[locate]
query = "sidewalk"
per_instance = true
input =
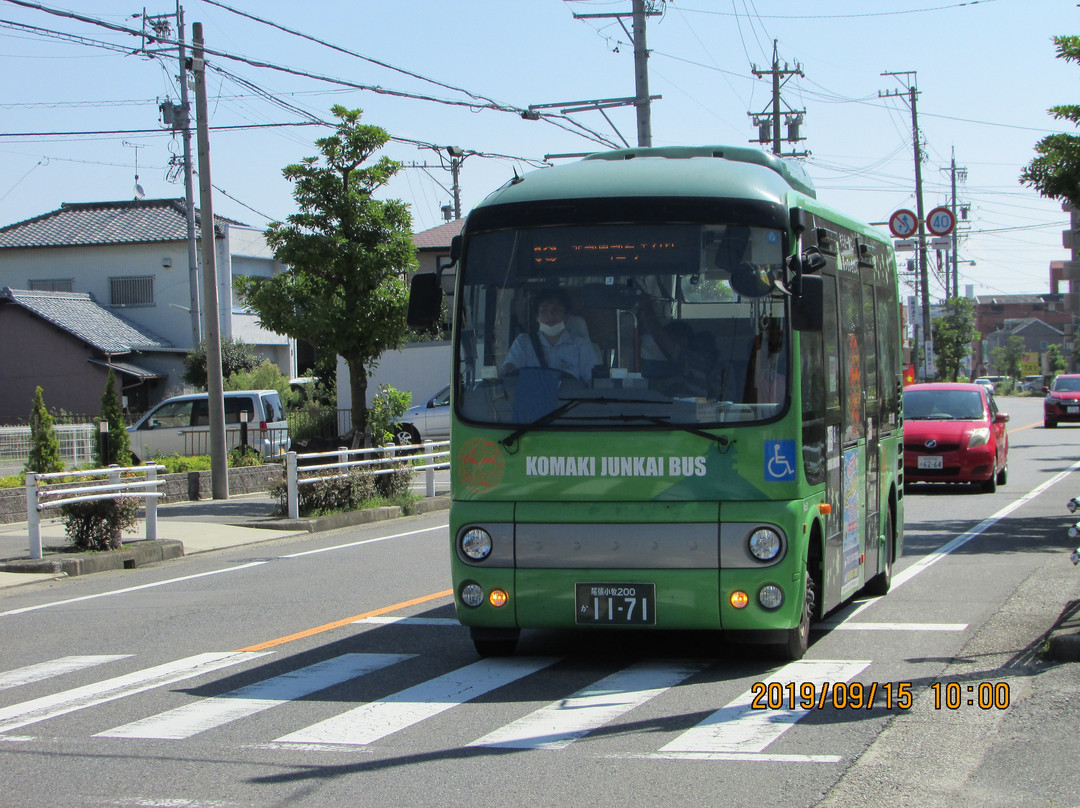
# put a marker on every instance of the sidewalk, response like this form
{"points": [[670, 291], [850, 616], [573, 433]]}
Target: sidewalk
{"points": [[184, 528]]}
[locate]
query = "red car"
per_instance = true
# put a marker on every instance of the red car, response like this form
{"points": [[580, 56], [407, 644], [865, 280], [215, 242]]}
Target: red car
{"points": [[1062, 403], [954, 433]]}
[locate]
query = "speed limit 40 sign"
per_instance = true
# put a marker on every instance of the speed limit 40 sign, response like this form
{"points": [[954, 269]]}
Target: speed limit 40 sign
{"points": [[940, 221]]}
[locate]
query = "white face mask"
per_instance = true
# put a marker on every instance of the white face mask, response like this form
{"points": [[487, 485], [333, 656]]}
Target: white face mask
{"points": [[552, 330]]}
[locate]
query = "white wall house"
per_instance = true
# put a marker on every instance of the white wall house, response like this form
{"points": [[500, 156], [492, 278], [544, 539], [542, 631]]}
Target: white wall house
{"points": [[132, 258]]}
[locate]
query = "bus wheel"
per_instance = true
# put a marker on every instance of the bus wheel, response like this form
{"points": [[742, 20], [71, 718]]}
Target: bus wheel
{"points": [[879, 585], [491, 642], [797, 639]]}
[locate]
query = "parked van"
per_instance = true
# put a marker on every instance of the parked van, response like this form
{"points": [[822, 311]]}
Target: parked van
{"points": [[181, 425]]}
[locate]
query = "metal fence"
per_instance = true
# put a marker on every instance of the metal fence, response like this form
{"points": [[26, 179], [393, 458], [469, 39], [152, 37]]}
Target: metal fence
{"points": [[76, 444], [48, 491]]}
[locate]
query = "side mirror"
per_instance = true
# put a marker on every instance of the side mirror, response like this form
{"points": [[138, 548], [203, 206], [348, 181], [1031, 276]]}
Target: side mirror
{"points": [[425, 301], [750, 280]]}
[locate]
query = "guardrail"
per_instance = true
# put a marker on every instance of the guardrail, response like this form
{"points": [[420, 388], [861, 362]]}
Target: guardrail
{"points": [[382, 460], [40, 497]]}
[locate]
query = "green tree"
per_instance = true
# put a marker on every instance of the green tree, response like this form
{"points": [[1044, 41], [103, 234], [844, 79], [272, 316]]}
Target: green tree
{"points": [[1006, 359], [44, 443], [347, 255], [1055, 173], [119, 447], [1055, 362], [953, 334], [236, 357]]}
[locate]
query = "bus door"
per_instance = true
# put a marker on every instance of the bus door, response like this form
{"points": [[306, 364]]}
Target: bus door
{"points": [[872, 331], [832, 361], [853, 426]]}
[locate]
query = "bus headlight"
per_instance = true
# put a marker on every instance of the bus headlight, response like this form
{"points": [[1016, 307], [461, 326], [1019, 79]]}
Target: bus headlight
{"points": [[472, 595], [764, 544], [476, 543], [770, 596]]}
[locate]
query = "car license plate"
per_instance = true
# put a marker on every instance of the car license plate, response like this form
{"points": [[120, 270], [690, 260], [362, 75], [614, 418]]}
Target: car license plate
{"points": [[931, 462], [1072, 410], [616, 604]]}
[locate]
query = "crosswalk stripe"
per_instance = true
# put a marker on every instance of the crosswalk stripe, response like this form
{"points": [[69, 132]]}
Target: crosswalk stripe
{"points": [[30, 712], [56, 667], [374, 720], [191, 719], [561, 723], [737, 727]]}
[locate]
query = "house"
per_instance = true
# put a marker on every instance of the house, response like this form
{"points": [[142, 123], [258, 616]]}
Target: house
{"points": [[1036, 334], [996, 316], [131, 258], [65, 343]]}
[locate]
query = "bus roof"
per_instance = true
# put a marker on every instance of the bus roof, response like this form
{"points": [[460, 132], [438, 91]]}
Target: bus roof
{"points": [[679, 171]]}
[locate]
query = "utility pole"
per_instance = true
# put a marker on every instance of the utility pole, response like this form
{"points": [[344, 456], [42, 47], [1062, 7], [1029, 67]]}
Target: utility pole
{"points": [[768, 123], [219, 470], [920, 214], [956, 175], [642, 9], [189, 187]]}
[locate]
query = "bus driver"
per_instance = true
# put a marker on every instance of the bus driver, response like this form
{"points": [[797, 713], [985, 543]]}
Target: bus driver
{"points": [[552, 345]]}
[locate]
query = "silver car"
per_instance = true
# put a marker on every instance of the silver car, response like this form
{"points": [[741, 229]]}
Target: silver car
{"points": [[181, 425], [427, 421]]}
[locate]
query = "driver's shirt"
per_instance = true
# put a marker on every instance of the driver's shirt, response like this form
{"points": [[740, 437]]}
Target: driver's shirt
{"points": [[570, 354]]}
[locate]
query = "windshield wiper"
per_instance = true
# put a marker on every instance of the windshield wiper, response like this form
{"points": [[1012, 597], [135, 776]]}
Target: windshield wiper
{"points": [[664, 420], [561, 410]]}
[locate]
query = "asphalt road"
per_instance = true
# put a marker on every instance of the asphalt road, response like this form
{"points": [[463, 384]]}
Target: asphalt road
{"points": [[328, 670]]}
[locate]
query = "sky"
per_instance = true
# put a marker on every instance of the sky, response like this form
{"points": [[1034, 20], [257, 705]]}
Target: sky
{"points": [[79, 112]]}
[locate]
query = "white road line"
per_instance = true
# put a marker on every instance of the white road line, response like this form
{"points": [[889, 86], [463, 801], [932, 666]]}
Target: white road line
{"points": [[751, 757], [236, 568], [928, 560], [559, 724], [127, 589], [374, 720], [365, 541], [68, 701], [737, 727], [191, 719], [829, 625], [56, 667]]}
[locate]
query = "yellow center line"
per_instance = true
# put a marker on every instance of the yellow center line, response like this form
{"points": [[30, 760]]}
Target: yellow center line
{"points": [[339, 623]]}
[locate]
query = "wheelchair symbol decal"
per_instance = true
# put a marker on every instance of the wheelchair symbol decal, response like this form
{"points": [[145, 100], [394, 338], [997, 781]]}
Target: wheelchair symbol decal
{"points": [[779, 461]]}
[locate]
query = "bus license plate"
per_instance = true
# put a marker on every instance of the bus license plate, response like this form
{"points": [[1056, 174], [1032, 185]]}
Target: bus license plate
{"points": [[931, 462], [616, 604]]}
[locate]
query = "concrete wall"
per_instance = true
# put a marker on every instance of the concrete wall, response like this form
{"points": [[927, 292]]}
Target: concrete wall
{"points": [[188, 486], [422, 369]]}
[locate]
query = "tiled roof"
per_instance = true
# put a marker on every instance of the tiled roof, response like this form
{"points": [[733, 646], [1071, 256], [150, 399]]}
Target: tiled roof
{"points": [[438, 237], [135, 221], [80, 315]]}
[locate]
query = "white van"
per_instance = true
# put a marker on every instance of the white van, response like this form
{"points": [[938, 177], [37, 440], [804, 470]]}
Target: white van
{"points": [[181, 425]]}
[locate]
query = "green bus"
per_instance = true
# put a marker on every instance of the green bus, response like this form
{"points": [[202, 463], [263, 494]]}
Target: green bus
{"points": [[676, 400]]}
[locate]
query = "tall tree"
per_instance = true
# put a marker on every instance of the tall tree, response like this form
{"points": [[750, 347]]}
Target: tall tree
{"points": [[118, 447], [44, 442], [347, 255], [953, 334], [1055, 173]]}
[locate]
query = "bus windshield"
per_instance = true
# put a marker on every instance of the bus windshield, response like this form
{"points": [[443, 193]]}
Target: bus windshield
{"points": [[622, 325]]}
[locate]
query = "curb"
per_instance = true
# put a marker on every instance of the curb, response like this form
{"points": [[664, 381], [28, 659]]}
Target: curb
{"points": [[334, 521], [134, 555], [1063, 644]]}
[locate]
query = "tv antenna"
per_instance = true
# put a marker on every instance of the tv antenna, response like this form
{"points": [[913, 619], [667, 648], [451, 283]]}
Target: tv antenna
{"points": [[139, 192]]}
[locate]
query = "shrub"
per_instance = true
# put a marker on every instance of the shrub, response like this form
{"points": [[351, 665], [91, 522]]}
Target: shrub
{"points": [[356, 490], [387, 406], [98, 524]]}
